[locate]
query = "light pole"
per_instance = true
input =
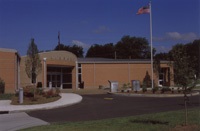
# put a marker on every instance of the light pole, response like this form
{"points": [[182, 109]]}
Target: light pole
{"points": [[45, 83]]}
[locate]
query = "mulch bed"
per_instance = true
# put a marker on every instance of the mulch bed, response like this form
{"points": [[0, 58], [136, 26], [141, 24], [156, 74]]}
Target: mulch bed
{"points": [[150, 92], [39, 99]]}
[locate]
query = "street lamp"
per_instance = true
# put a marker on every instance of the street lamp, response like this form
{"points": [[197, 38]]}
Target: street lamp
{"points": [[44, 60]]}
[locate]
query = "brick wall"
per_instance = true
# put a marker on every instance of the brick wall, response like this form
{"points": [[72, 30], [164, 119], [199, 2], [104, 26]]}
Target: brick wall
{"points": [[95, 74], [8, 70]]}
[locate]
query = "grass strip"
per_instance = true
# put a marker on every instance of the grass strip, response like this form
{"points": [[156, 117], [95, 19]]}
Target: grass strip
{"points": [[164, 121]]}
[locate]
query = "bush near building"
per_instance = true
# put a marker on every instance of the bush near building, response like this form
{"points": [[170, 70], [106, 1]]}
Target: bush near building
{"points": [[2, 86]]}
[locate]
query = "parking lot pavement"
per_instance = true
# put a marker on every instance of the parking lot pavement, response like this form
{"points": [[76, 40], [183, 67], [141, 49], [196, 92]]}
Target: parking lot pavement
{"points": [[95, 107], [16, 121]]}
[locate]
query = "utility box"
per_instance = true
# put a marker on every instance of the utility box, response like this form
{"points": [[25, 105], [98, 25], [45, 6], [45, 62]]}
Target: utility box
{"points": [[136, 85], [113, 86], [21, 95]]}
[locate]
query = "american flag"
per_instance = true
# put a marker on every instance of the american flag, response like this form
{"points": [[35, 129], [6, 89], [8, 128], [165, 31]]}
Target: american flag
{"points": [[143, 10]]}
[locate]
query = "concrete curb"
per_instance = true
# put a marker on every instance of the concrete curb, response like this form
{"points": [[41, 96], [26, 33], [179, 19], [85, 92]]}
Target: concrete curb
{"points": [[66, 99], [154, 95]]}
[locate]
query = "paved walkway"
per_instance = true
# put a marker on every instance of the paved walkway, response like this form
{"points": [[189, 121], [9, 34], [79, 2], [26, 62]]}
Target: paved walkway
{"points": [[17, 119], [65, 100]]}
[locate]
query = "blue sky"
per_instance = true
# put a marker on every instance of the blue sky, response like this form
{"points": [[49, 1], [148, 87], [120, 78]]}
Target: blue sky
{"points": [[87, 22]]}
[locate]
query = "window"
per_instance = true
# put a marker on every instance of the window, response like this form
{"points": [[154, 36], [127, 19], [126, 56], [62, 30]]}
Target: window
{"points": [[79, 73]]}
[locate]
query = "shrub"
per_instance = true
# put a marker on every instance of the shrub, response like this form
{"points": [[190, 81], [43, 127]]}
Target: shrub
{"points": [[144, 89], [57, 91], [29, 91], [39, 91], [52, 93], [179, 90], [126, 86], [164, 89], [100, 86], [6, 96], [147, 80], [2, 86], [172, 90], [155, 89]]}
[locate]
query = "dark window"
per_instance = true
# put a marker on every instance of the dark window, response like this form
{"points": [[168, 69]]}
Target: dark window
{"points": [[67, 70], [67, 78], [79, 78], [79, 70]]}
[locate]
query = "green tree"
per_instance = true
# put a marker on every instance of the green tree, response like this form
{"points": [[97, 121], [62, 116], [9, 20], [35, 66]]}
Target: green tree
{"points": [[75, 49], [183, 71], [103, 51], [33, 64], [193, 50], [156, 61], [133, 47]]}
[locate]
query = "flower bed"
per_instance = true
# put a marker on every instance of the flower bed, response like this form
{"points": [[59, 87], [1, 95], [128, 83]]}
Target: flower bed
{"points": [[33, 95]]}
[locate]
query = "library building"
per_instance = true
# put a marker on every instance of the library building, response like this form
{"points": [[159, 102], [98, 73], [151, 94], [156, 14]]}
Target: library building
{"points": [[62, 69]]}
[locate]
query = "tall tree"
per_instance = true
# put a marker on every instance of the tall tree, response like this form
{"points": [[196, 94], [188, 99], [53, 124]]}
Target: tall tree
{"points": [[156, 61], [183, 71], [133, 47], [193, 50], [33, 64], [104, 51], [77, 50]]}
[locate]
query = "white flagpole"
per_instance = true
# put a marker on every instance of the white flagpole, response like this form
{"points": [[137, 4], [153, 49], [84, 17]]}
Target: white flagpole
{"points": [[152, 85]]}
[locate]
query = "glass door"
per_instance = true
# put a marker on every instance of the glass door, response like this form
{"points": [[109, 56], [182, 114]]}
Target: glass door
{"points": [[54, 80]]}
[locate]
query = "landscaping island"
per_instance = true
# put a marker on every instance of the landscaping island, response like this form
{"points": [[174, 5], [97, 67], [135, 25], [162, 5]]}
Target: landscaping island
{"points": [[155, 92], [33, 95]]}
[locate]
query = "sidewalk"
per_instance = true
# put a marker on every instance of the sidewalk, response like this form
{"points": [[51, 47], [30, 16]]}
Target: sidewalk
{"points": [[65, 100], [17, 119]]}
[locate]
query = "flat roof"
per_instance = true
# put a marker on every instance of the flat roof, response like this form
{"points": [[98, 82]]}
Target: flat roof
{"points": [[107, 60], [9, 50]]}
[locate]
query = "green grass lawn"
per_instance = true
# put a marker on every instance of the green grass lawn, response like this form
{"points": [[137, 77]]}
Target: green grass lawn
{"points": [[198, 82], [6, 96], [150, 122]]}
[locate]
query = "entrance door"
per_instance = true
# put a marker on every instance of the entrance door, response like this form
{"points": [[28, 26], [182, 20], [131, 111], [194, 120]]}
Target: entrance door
{"points": [[59, 77], [54, 79]]}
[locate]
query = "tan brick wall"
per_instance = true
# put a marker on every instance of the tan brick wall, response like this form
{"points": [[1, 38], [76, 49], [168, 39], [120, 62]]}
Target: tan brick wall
{"points": [[8, 70], [97, 74]]}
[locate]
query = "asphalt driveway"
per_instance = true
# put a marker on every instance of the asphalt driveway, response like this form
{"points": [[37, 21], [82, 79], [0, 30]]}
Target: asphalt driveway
{"points": [[94, 107]]}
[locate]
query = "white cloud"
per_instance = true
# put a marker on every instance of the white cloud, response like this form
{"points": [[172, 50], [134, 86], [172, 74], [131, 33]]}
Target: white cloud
{"points": [[79, 43], [101, 29], [173, 35], [162, 49], [176, 36]]}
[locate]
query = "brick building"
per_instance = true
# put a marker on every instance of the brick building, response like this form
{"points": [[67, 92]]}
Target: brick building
{"points": [[64, 70], [9, 69]]}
